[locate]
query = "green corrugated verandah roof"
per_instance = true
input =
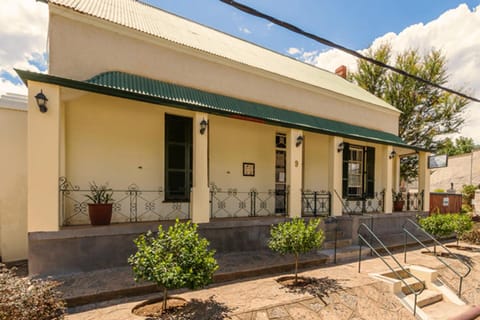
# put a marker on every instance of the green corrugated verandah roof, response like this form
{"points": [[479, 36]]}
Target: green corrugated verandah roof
{"points": [[130, 86]]}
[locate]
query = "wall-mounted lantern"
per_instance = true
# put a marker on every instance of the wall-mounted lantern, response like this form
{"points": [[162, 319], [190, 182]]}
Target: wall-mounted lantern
{"points": [[392, 154], [41, 101], [340, 147], [299, 141], [203, 126]]}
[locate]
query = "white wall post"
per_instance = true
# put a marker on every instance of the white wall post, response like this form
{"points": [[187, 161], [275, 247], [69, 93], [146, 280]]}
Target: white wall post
{"points": [[200, 198], [295, 173], [424, 179], [335, 175]]}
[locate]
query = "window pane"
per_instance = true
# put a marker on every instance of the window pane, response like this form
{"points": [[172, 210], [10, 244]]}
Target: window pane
{"points": [[176, 183], [176, 156]]}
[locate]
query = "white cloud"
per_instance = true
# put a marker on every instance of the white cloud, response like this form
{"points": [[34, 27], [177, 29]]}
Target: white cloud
{"points": [[456, 33], [245, 30], [23, 38], [294, 51]]}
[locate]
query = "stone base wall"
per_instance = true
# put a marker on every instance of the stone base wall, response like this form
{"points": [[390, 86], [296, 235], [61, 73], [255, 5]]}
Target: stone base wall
{"points": [[86, 248]]}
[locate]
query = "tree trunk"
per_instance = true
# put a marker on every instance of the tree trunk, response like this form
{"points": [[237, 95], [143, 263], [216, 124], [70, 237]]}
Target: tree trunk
{"points": [[164, 305]]}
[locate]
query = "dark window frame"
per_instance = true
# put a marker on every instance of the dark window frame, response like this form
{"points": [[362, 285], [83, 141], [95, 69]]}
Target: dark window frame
{"points": [[186, 145], [367, 172]]}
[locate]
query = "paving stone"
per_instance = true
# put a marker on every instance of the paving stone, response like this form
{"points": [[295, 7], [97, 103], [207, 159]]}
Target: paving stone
{"points": [[314, 304], [277, 313], [336, 311], [245, 316], [261, 315], [299, 312]]}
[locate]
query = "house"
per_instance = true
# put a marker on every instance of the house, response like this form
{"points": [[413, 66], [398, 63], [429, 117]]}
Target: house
{"points": [[186, 122], [13, 170]]}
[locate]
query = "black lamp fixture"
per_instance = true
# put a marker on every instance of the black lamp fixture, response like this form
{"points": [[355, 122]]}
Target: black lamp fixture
{"points": [[340, 147], [203, 126], [392, 154], [299, 141], [41, 101]]}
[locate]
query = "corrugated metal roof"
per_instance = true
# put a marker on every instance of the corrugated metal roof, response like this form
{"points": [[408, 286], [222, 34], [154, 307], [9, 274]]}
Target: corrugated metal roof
{"points": [[139, 88], [215, 103], [153, 21]]}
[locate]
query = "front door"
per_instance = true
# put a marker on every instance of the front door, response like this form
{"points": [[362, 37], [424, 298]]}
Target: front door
{"points": [[280, 173]]}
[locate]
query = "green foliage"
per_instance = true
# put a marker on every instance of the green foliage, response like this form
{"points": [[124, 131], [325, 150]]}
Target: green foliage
{"points": [[462, 223], [174, 259], [461, 145], [441, 225], [439, 190], [397, 196], [296, 237], [29, 299], [427, 112], [468, 193], [100, 193], [466, 208]]}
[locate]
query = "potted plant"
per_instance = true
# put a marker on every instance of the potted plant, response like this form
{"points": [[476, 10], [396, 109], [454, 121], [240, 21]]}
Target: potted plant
{"points": [[398, 201], [100, 208]]}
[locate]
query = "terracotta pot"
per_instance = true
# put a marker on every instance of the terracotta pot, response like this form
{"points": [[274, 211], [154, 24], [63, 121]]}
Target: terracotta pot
{"points": [[398, 205], [100, 213]]}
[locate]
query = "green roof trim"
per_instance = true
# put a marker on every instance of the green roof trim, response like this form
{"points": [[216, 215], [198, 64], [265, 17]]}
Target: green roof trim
{"points": [[140, 88]]}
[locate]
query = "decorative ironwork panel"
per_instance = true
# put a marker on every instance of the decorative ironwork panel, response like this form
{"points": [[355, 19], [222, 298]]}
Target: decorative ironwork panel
{"points": [[365, 205], [129, 205], [316, 203], [264, 203], [230, 203]]}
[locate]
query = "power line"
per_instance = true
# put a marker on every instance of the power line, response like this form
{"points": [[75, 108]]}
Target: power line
{"points": [[329, 43]]}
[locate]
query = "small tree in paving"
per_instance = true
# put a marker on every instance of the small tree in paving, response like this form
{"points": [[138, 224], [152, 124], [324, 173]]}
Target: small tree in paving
{"points": [[174, 259], [296, 237]]}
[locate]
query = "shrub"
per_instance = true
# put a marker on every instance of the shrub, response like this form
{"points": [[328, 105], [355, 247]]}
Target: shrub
{"points": [[466, 208], [468, 193], [296, 237], [439, 225], [29, 299], [174, 259], [439, 190], [472, 237]]}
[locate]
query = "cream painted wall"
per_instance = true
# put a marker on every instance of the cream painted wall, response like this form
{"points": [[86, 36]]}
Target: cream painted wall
{"points": [[13, 188], [316, 168], [73, 43], [115, 140], [233, 142]]}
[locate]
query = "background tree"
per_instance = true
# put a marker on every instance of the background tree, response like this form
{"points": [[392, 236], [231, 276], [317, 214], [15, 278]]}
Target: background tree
{"points": [[174, 259], [428, 113], [461, 145], [296, 237]]}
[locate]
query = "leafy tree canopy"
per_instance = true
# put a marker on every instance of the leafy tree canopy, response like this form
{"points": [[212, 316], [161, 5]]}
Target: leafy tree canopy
{"points": [[461, 145], [428, 113]]}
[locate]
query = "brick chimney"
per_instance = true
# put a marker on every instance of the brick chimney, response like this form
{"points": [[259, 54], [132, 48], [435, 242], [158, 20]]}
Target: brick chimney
{"points": [[341, 71]]}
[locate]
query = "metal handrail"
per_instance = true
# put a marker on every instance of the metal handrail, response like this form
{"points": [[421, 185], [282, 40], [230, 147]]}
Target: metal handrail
{"points": [[372, 248], [345, 207], [435, 242]]}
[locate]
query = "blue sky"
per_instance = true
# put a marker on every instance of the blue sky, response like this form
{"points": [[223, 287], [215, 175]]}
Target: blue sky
{"points": [[354, 24]]}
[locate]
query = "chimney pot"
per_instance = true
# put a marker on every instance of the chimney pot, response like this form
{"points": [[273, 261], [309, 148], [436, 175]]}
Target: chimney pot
{"points": [[341, 71]]}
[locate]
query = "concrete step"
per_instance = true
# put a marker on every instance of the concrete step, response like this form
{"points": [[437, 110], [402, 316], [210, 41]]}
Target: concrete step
{"points": [[413, 283], [448, 310], [427, 297], [341, 243], [398, 274]]}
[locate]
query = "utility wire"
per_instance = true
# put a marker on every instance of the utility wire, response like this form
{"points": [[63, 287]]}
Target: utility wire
{"points": [[329, 43]]}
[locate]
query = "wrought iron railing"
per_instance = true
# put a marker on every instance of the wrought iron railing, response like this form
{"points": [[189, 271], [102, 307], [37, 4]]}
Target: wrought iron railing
{"points": [[231, 203], [375, 204], [367, 238], [413, 201], [129, 205], [416, 228], [316, 203]]}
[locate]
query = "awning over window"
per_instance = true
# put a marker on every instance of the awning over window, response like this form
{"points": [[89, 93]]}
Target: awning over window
{"points": [[139, 88]]}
